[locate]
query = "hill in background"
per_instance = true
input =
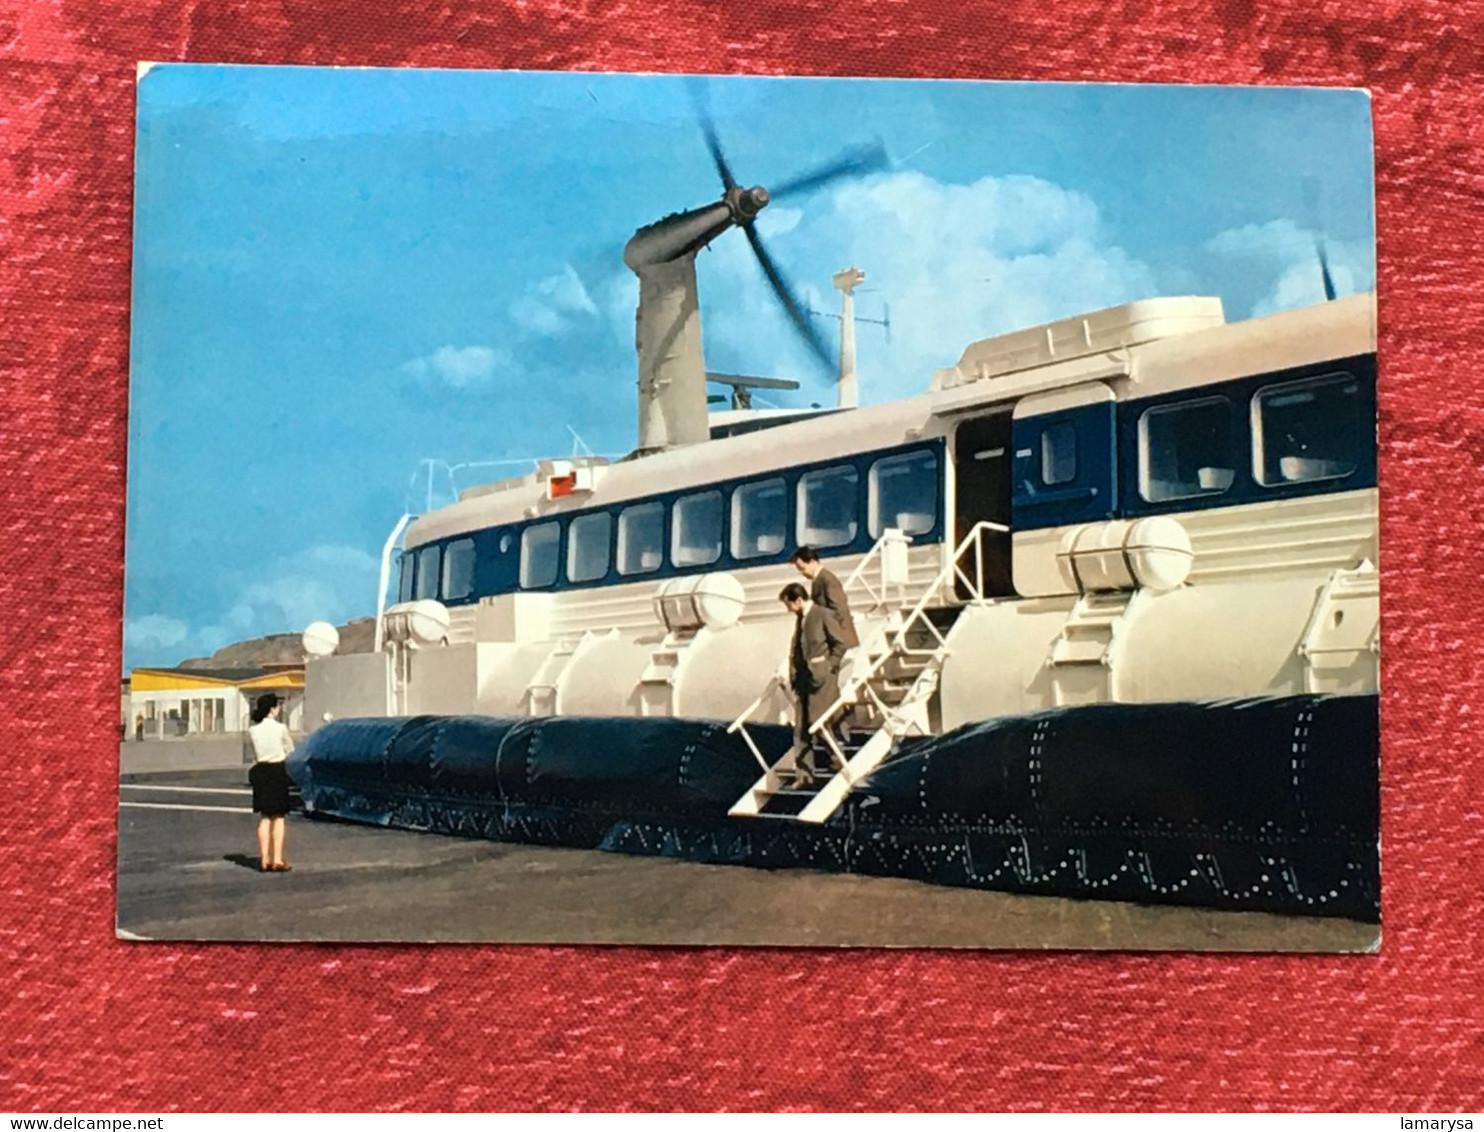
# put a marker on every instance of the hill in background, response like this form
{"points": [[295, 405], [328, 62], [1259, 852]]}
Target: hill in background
{"points": [[356, 635]]}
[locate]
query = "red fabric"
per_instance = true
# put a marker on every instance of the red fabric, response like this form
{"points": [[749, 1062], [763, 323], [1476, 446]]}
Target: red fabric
{"points": [[87, 1022]]}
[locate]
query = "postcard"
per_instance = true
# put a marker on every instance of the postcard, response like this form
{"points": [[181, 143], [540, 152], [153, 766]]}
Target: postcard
{"points": [[602, 508]]}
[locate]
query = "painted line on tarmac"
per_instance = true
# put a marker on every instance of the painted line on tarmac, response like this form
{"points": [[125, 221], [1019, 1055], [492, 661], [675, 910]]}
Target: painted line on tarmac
{"points": [[183, 789], [177, 806]]}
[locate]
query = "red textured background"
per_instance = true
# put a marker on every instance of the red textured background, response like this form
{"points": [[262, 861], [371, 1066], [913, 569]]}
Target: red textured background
{"points": [[87, 1022]]}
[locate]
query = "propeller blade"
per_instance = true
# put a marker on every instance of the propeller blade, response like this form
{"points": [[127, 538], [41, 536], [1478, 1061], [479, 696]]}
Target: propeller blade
{"points": [[708, 130], [1329, 280], [796, 313], [856, 161], [1310, 189]]}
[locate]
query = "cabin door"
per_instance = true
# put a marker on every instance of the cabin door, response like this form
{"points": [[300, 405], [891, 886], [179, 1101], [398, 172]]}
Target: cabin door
{"points": [[981, 470]]}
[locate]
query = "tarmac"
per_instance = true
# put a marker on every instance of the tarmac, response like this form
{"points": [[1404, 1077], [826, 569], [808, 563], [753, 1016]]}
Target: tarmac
{"points": [[188, 871]]}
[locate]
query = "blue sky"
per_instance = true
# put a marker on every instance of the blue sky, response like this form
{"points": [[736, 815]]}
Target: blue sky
{"points": [[341, 272]]}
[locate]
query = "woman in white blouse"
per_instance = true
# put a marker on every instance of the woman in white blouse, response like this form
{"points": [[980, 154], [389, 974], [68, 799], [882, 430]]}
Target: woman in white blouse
{"points": [[269, 778]]}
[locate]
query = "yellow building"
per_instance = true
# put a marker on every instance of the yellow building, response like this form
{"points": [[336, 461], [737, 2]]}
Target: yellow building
{"points": [[176, 702]]}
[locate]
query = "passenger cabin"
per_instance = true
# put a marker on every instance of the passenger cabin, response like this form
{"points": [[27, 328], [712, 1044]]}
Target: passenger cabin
{"points": [[1152, 408]]}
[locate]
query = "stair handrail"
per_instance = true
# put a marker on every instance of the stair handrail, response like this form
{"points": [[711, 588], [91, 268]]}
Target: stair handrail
{"points": [[740, 723], [947, 574], [974, 585], [849, 690], [858, 575]]}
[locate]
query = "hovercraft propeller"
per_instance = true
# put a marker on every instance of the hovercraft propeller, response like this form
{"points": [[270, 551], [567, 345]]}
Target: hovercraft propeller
{"points": [[672, 373]]}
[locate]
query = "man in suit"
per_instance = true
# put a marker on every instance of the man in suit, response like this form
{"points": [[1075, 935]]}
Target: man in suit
{"points": [[825, 589], [814, 658]]}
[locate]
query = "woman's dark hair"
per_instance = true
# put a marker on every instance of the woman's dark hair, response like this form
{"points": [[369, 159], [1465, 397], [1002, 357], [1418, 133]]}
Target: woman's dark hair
{"points": [[266, 703], [793, 592]]}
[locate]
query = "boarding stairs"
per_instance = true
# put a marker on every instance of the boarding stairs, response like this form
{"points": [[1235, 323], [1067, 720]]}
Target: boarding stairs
{"points": [[888, 692]]}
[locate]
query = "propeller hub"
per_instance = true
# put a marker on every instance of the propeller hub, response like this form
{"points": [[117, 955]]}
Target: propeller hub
{"points": [[745, 204]]}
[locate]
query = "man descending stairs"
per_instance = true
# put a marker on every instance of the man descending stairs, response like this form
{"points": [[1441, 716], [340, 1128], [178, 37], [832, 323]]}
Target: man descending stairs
{"points": [[814, 658], [887, 696]]}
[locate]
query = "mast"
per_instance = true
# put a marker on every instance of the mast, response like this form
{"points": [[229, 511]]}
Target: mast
{"points": [[846, 281]]}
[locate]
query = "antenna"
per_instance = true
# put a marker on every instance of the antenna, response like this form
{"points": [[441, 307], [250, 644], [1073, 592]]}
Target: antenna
{"points": [[431, 464], [884, 321], [579, 446], [742, 387]]}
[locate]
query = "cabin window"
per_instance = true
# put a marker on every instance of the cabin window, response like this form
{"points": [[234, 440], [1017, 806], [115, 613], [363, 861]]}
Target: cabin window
{"points": [[696, 537], [1310, 430], [404, 581], [538, 555], [1186, 451], [588, 540], [426, 584], [759, 519], [1059, 454], [641, 538], [827, 506], [904, 493], [458, 570]]}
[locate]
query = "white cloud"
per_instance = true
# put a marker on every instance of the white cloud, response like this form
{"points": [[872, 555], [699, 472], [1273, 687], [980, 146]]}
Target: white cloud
{"points": [[328, 582], [1281, 259], [618, 297], [154, 631], [552, 305], [457, 367], [338, 556], [778, 221], [955, 263]]}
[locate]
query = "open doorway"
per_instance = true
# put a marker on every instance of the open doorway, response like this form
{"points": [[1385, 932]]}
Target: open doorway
{"points": [[981, 469]]}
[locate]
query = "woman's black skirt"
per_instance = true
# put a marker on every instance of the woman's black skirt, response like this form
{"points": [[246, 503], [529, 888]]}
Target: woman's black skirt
{"points": [[270, 789]]}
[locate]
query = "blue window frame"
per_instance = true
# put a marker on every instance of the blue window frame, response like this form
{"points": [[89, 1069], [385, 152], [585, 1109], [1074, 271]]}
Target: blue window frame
{"points": [[760, 518], [496, 561], [588, 541], [425, 585], [1064, 466], [540, 555], [696, 529], [904, 493], [1058, 454], [641, 538], [458, 570], [714, 526], [405, 566], [829, 506], [1187, 449], [1307, 431]]}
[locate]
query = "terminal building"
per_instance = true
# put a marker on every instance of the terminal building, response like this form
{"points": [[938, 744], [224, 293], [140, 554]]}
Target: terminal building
{"points": [[166, 703]]}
